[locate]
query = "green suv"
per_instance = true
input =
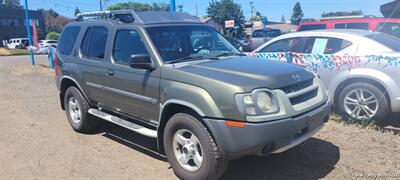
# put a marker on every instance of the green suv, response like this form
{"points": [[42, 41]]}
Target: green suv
{"points": [[170, 77]]}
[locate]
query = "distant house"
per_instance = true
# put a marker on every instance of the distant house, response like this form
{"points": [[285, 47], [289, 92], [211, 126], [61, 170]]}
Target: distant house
{"points": [[284, 27], [12, 23], [391, 10], [215, 24]]}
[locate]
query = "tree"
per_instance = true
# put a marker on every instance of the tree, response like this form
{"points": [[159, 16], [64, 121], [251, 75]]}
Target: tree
{"points": [[52, 36], [77, 11], [53, 22], [140, 6], [342, 13], [257, 17], [297, 15], [283, 19], [225, 10], [10, 4]]}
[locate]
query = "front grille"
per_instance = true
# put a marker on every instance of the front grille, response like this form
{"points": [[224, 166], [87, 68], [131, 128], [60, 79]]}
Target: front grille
{"points": [[304, 97], [297, 87]]}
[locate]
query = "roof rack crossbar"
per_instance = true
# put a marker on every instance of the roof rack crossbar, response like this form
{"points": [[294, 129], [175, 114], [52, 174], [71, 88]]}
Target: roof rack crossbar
{"points": [[109, 15]]}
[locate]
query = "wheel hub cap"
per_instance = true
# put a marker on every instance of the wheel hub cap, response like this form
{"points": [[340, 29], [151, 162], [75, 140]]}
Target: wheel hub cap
{"points": [[74, 110], [187, 150], [361, 104]]}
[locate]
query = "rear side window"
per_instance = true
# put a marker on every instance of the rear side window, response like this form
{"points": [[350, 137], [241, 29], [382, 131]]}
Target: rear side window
{"points": [[266, 33], [94, 42], [126, 44], [312, 27], [68, 39], [362, 26], [327, 45]]}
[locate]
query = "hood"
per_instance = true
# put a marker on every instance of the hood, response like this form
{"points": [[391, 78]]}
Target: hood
{"points": [[246, 72]]}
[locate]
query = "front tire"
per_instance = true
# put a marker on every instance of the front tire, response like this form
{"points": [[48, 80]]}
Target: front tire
{"points": [[190, 149], [363, 102], [76, 108]]}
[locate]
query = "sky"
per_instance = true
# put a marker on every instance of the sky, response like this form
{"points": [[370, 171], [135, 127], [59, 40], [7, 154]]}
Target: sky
{"points": [[273, 9]]}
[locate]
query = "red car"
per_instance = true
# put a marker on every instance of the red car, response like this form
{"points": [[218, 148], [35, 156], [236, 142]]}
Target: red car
{"points": [[385, 25]]}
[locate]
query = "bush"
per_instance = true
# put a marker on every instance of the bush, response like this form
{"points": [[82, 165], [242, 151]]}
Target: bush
{"points": [[52, 36]]}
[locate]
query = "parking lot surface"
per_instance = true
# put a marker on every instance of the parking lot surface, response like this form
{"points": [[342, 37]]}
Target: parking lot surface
{"points": [[36, 142]]}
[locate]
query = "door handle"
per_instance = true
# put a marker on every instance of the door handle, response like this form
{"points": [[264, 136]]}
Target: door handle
{"points": [[110, 73]]}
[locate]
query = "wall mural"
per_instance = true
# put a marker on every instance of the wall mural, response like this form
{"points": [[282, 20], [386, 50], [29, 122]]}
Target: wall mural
{"points": [[330, 62]]}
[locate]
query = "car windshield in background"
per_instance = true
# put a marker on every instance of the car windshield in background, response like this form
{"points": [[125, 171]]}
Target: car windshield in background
{"points": [[387, 40], [189, 42], [266, 33]]}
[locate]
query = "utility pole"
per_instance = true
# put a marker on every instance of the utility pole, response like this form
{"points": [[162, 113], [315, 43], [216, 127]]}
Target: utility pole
{"points": [[172, 4], [251, 9], [197, 10], [101, 6], [28, 29]]}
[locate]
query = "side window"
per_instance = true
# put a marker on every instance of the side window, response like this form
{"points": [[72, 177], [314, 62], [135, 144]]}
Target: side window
{"points": [[86, 42], [364, 26], [327, 45], [287, 45], [68, 39], [94, 42], [312, 27], [98, 42], [340, 26], [278, 46], [126, 44]]}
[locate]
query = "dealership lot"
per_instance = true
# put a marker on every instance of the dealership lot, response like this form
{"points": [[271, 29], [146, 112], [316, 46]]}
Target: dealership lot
{"points": [[36, 142]]}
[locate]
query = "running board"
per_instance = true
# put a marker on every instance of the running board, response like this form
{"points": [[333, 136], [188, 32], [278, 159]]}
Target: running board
{"points": [[126, 124]]}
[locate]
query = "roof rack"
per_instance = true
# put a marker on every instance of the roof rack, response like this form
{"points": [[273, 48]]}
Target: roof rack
{"points": [[126, 16]]}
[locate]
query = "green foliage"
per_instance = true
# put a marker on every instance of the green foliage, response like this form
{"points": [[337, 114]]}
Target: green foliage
{"points": [[257, 17], [10, 4], [77, 11], [53, 22], [225, 10], [140, 6], [52, 36], [297, 15], [342, 13]]}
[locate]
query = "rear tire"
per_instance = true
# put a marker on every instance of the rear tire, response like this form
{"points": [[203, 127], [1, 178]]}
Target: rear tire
{"points": [[212, 163], [366, 101], [76, 108]]}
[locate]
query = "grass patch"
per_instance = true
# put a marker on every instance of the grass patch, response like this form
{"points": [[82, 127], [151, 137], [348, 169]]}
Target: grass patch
{"points": [[14, 52], [368, 124]]}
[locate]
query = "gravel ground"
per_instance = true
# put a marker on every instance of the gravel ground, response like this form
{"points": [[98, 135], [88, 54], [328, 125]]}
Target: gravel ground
{"points": [[36, 142]]}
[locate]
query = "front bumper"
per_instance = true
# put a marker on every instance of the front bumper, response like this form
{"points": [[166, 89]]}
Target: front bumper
{"points": [[267, 137]]}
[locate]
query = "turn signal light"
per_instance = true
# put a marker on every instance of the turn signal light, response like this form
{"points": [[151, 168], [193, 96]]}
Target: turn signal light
{"points": [[235, 124]]}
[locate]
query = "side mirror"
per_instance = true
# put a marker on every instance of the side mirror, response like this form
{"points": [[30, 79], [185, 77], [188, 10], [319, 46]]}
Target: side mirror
{"points": [[241, 48], [141, 61]]}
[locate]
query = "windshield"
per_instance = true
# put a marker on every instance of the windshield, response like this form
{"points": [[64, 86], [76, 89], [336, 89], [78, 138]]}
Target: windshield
{"points": [[179, 42], [387, 40], [267, 33]]}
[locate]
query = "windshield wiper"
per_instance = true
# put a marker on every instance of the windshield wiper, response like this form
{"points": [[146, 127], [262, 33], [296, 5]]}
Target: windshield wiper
{"points": [[229, 54], [185, 59]]}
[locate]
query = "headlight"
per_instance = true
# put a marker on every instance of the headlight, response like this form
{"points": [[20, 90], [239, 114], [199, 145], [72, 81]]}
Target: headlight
{"points": [[259, 102]]}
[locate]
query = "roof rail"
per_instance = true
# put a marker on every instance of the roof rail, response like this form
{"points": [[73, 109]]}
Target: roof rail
{"points": [[126, 16]]}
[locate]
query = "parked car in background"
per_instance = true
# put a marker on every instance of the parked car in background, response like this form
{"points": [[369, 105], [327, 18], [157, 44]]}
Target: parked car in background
{"points": [[47, 43], [17, 43], [242, 45], [260, 36], [385, 25], [370, 90]]}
